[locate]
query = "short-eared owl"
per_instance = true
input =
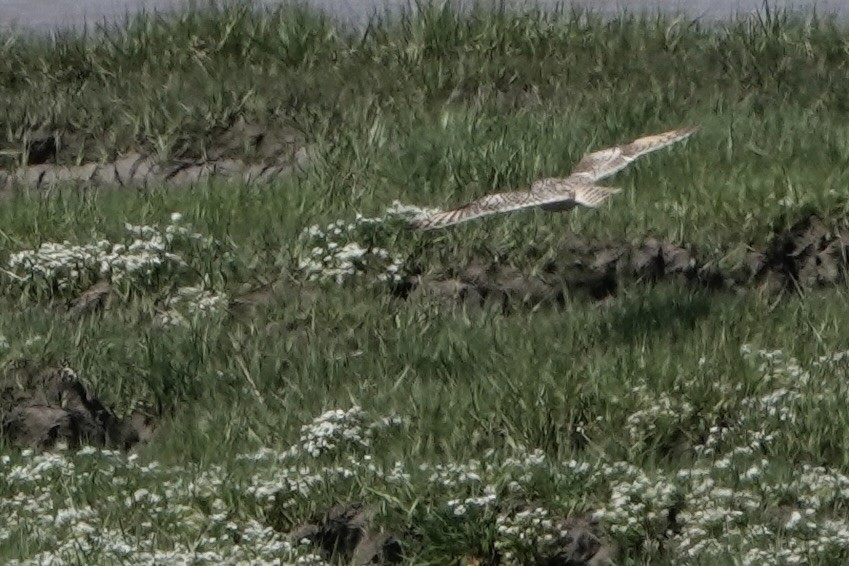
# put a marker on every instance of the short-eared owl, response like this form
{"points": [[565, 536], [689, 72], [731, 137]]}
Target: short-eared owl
{"points": [[562, 193]]}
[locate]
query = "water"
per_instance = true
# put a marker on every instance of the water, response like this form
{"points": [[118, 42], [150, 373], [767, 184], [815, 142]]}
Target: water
{"points": [[48, 15]]}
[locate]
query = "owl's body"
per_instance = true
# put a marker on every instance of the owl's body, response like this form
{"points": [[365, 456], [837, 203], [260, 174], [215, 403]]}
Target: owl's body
{"points": [[565, 193]]}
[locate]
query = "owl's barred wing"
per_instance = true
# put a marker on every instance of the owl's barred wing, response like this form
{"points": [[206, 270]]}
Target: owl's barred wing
{"points": [[604, 163], [593, 195], [577, 189], [510, 201], [490, 204], [584, 195]]}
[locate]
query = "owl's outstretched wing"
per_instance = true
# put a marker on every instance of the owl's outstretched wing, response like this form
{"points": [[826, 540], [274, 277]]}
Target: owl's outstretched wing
{"points": [[604, 163], [586, 195]]}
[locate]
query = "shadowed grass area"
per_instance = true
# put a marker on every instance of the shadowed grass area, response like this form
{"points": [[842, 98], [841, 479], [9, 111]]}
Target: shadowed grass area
{"points": [[692, 426]]}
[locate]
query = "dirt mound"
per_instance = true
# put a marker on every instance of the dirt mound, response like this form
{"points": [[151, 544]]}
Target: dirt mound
{"points": [[42, 406], [579, 542], [344, 533], [806, 255], [243, 151], [137, 170]]}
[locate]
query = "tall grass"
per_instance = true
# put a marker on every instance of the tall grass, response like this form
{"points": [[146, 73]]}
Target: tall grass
{"points": [[695, 427]]}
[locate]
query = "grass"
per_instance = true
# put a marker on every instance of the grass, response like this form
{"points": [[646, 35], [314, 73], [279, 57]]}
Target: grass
{"points": [[696, 427]]}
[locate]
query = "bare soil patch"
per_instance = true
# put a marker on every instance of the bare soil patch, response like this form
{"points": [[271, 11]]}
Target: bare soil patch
{"points": [[42, 406], [346, 532], [243, 151], [806, 255]]}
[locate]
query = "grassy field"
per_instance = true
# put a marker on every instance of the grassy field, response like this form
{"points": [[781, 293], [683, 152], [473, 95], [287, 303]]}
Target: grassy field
{"points": [[667, 424]]}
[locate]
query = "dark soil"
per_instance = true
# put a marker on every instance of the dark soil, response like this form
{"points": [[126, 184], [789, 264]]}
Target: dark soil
{"points": [[41, 406], [345, 533], [806, 255]]}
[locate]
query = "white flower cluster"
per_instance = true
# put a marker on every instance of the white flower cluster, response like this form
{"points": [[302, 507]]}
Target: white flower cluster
{"points": [[662, 412], [528, 460], [333, 428], [329, 432], [326, 435], [190, 303], [148, 250], [739, 514], [788, 379], [737, 501], [340, 251], [522, 533], [638, 504], [292, 483], [461, 506], [453, 476], [51, 508], [727, 504]]}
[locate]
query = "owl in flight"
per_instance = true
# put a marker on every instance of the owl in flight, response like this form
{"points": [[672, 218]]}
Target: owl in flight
{"points": [[561, 193]]}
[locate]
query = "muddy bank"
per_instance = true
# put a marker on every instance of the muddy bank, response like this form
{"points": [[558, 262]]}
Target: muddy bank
{"points": [[806, 255]]}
